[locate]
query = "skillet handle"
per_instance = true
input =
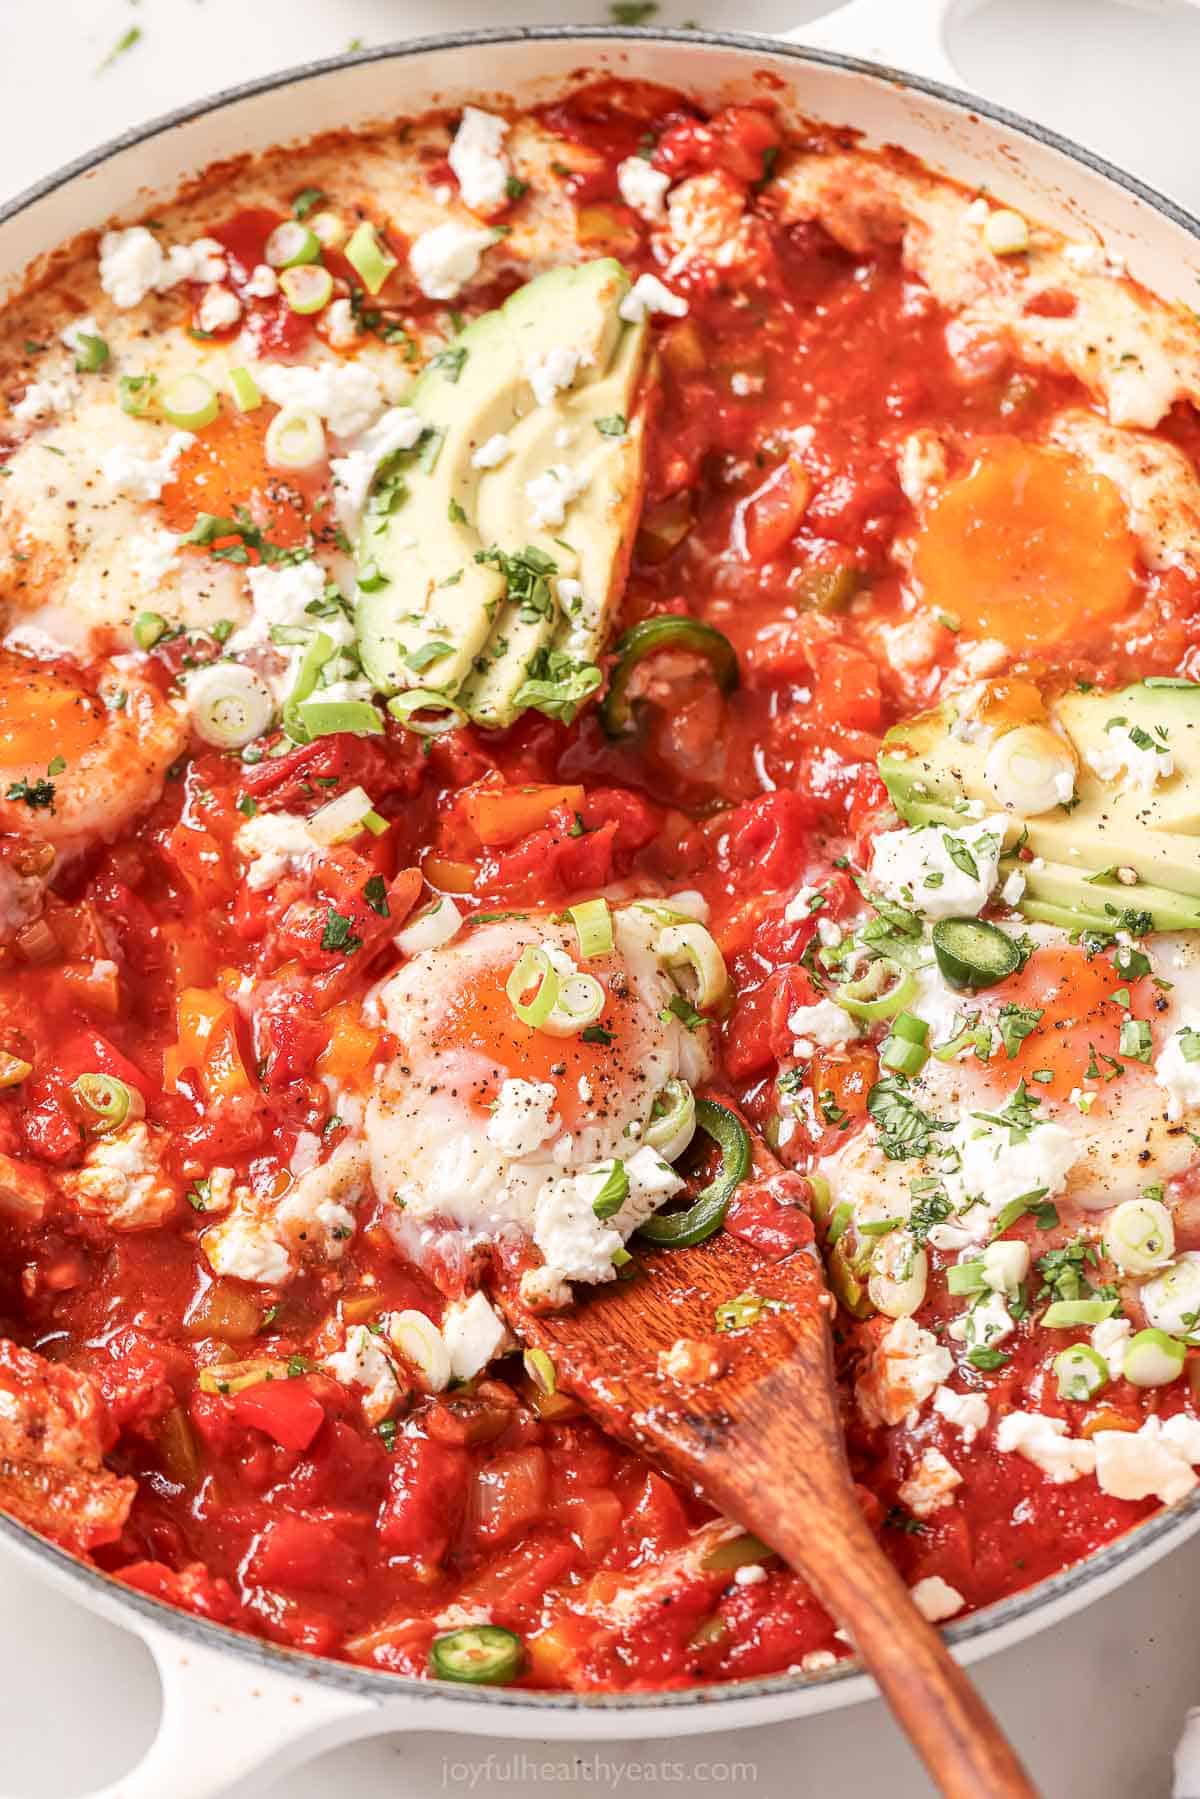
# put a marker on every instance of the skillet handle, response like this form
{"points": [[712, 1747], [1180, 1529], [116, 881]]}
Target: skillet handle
{"points": [[224, 1721]]}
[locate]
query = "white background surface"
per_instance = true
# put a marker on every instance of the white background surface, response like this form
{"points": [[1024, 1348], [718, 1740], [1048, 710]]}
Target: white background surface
{"points": [[1094, 1705]]}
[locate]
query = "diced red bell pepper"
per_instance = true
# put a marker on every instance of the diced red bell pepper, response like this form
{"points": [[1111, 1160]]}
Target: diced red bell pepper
{"points": [[285, 1409]]}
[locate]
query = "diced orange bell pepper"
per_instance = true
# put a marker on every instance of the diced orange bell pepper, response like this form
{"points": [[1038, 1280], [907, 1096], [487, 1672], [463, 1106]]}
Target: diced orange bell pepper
{"points": [[207, 1043], [501, 815], [351, 1043]]}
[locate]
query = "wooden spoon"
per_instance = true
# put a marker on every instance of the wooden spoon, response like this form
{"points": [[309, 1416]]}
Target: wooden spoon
{"points": [[750, 1419]]}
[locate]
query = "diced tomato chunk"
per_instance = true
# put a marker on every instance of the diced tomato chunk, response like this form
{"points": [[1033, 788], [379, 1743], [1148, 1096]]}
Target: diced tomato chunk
{"points": [[287, 1410]]}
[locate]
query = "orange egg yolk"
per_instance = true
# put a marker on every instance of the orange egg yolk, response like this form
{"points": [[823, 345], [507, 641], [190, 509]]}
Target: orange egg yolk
{"points": [[226, 467], [1080, 1019], [1030, 546], [479, 1017], [42, 716]]}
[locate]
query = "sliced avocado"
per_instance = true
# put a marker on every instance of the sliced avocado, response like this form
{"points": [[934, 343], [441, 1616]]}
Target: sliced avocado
{"points": [[460, 593], [1086, 853]]}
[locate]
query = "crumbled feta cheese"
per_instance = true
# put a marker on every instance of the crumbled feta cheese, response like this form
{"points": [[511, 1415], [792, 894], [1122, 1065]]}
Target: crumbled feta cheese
{"points": [[986, 1165], [817, 1660], [44, 397], [1005, 1265], [743, 385], [152, 557], [643, 187], [1176, 1072], [275, 844], [74, 334], [219, 309], [280, 597], [445, 258], [133, 264], [824, 1026], [931, 1484], [122, 1180], [264, 282], [649, 295], [920, 465], [523, 1118], [936, 1599], [967, 1412], [492, 453], [554, 371], [752, 1575], [986, 1324], [550, 493], [1014, 887], [339, 324], [803, 903], [939, 872], [245, 1247], [1143, 763], [1110, 1339], [905, 1367], [1154, 1462], [1044, 1442], [1169, 1298], [315, 1214], [477, 159], [347, 395], [144, 477], [398, 429], [474, 1335], [363, 1363]]}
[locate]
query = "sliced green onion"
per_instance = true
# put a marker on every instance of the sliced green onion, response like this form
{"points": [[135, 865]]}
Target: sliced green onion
{"points": [[318, 653], [479, 1654], [883, 991], [136, 394], [1026, 769], [1081, 1372], [340, 819], [839, 1222], [107, 1101], [541, 1371], [910, 1027], [1152, 1359], [668, 631], [740, 1313], [295, 438], [427, 713], [1140, 1236], [975, 1037], [246, 396], [292, 244], [822, 1197], [899, 1276], [229, 705], [91, 353], [690, 950], [148, 629], [1171, 1299], [190, 402], [965, 1277], [307, 288], [324, 718], [736, 1552], [902, 1055], [593, 927], [533, 970], [1067, 1312], [613, 1193], [672, 1120], [972, 953], [418, 1339], [580, 1001], [330, 228], [1135, 1039], [369, 257], [680, 1230]]}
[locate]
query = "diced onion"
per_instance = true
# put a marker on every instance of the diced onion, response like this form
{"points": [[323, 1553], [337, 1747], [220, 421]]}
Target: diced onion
{"points": [[430, 929], [295, 438], [1152, 1359], [338, 820], [673, 1128], [190, 402], [418, 1339], [330, 228], [427, 713], [1064, 1314], [229, 705], [370, 258], [292, 244], [579, 1003], [1140, 1236], [244, 388], [307, 288], [1081, 1371], [884, 990], [690, 950], [541, 1370], [235, 1377], [900, 1275], [533, 969], [107, 1102], [593, 927], [1030, 770]]}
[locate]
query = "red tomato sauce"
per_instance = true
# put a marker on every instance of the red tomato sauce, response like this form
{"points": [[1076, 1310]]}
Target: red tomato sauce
{"points": [[772, 505]]}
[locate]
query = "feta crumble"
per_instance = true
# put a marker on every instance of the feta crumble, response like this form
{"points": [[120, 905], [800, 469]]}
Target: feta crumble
{"points": [[906, 1366], [523, 1118], [1142, 763], [1045, 1442], [492, 453], [363, 1363], [474, 1335], [821, 1026], [940, 872], [133, 264], [643, 187], [554, 371], [445, 258], [345, 394], [551, 493], [219, 309], [1176, 1072], [399, 429], [931, 1485], [44, 397], [936, 1599], [967, 1412], [649, 295], [477, 159], [275, 844], [144, 477]]}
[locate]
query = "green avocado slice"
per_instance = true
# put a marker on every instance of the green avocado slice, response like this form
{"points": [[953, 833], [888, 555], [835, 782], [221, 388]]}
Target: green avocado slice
{"points": [[1116, 855], [459, 575]]}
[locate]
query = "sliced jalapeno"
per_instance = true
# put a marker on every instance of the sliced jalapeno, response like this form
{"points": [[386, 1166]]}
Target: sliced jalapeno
{"points": [[706, 1214], [481, 1654], [972, 953], [668, 631]]}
